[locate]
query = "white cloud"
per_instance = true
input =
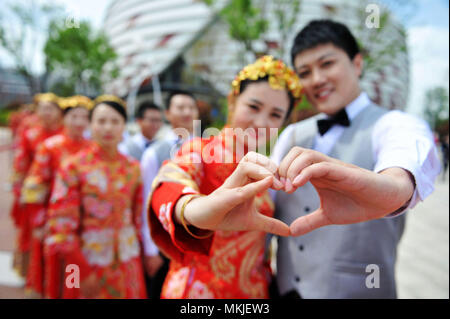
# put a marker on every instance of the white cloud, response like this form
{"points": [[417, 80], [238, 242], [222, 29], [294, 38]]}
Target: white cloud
{"points": [[429, 61]]}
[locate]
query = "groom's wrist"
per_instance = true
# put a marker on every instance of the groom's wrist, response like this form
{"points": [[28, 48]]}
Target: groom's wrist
{"points": [[406, 185]]}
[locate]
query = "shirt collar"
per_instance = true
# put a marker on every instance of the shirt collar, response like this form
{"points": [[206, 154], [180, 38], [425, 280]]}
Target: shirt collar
{"points": [[171, 135], [357, 105], [141, 139], [144, 138]]}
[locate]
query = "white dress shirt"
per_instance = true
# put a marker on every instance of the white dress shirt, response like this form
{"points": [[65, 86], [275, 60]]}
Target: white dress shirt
{"points": [[149, 170], [138, 139], [398, 140]]}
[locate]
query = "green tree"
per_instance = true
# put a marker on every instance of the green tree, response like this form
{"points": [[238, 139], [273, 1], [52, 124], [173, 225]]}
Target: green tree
{"points": [[21, 33], [248, 21], [436, 107], [79, 55], [286, 14], [377, 47]]}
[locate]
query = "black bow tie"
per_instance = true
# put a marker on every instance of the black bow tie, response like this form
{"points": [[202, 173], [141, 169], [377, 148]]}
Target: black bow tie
{"points": [[148, 143], [340, 118]]}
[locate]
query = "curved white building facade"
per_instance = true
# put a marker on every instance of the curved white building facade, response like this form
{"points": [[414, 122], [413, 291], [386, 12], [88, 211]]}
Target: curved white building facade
{"points": [[149, 35]]}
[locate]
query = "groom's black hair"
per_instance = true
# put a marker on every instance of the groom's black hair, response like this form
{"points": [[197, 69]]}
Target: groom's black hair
{"points": [[144, 106], [178, 92], [319, 32]]}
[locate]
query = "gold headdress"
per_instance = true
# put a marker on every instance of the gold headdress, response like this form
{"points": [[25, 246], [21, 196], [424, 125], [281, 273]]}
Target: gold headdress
{"points": [[76, 101], [112, 98], [280, 76], [46, 97]]}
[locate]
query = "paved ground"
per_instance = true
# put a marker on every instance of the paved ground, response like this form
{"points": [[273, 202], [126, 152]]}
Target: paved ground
{"points": [[10, 283], [423, 258], [422, 267]]}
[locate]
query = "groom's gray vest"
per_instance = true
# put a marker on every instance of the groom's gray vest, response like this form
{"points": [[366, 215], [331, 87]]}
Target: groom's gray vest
{"points": [[338, 261], [133, 149]]}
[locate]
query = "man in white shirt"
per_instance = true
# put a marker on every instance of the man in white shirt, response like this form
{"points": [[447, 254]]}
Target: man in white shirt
{"points": [[355, 168], [149, 120], [181, 112]]}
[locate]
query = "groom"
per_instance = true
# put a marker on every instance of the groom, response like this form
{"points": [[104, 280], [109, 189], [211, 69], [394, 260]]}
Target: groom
{"points": [[355, 168]]}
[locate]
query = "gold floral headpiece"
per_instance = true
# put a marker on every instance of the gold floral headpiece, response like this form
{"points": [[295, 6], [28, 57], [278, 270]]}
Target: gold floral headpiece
{"points": [[46, 97], [112, 98], [281, 77], [76, 101]]}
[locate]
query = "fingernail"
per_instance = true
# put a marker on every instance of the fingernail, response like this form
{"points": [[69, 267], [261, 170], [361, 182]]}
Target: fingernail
{"points": [[296, 180], [277, 184], [283, 180], [288, 185]]}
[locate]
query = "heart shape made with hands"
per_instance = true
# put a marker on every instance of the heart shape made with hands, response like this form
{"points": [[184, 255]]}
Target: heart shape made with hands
{"points": [[348, 194], [297, 168]]}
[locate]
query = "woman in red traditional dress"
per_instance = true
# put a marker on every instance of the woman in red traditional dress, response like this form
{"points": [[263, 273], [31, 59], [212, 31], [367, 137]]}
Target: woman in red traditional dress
{"points": [[49, 123], [18, 117], [38, 184], [93, 219], [209, 210], [28, 121]]}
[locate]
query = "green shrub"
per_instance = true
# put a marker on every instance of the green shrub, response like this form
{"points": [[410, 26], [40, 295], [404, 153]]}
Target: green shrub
{"points": [[4, 117]]}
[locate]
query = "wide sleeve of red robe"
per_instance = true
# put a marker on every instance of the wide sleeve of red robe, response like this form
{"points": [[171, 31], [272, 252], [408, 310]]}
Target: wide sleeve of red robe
{"points": [[23, 156], [34, 197], [229, 264], [176, 179], [62, 242]]}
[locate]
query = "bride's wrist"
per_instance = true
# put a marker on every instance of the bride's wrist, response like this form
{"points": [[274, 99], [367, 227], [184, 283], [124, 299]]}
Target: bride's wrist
{"points": [[183, 217], [179, 205], [182, 213]]}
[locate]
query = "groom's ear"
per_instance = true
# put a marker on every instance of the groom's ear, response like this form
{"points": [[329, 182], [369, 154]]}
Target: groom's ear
{"points": [[358, 63]]}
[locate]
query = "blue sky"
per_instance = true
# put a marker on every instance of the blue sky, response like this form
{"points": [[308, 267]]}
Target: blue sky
{"points": [[420, 12], [426, 21], [427, 24], [410, 12], [437, 12]]}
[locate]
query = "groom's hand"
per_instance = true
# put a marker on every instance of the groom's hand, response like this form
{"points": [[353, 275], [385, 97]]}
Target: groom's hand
{"points": [[298, 159], [348, 194]]}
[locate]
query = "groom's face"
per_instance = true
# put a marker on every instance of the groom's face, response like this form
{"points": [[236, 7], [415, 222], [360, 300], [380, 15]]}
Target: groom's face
{"points": [[329, 77]]}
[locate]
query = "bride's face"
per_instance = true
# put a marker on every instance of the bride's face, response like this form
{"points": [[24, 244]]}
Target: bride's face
{"points": [[257, 110]]}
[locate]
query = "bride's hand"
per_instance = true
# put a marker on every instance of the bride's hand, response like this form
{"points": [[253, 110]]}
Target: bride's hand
{"points": [[231, 206]]}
